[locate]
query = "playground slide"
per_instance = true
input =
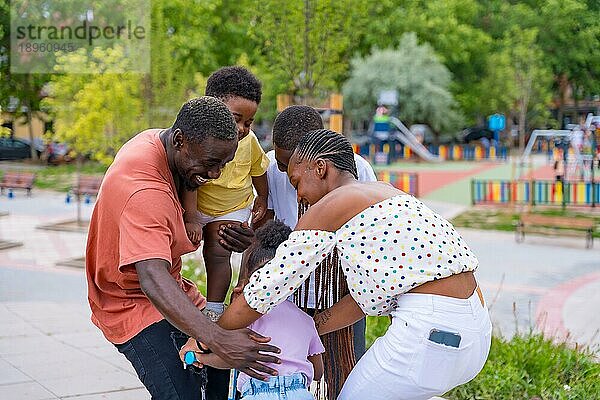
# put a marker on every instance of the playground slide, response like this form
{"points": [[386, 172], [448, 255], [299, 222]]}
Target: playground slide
{"points": [[408, 139]]}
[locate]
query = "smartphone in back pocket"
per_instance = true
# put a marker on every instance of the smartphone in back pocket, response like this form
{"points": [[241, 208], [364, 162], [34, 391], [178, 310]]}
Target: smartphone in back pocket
{"points": [[451, 339]]}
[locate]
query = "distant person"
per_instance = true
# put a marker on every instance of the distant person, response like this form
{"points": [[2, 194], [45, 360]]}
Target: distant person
{"points": [[559, 168], [381, 124], [289, 328], [137, 236]]}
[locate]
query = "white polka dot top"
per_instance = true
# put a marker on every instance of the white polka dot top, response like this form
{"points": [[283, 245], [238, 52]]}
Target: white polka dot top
{"points": [[385, 250]]}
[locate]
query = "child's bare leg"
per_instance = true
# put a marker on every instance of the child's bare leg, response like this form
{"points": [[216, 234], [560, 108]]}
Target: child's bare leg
{"points": [[218, 267]]}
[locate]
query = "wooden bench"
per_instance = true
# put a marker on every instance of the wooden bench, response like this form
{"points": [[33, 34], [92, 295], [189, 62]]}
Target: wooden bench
{"points": [[17, 180], [87, 185], [547, 224]]}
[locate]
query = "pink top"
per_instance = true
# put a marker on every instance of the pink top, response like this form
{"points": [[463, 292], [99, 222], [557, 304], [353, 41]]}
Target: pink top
{"points": [[294, 332]]}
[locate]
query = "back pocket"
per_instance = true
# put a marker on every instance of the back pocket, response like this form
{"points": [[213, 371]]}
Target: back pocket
{"points": [[435, 367]]}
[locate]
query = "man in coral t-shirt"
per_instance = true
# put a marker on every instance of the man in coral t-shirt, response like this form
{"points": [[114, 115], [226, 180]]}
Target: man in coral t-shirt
{"points": [[136, 238]]}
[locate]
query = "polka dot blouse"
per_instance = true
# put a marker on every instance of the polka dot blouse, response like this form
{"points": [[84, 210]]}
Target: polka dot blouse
{"points": [[385, 250]]}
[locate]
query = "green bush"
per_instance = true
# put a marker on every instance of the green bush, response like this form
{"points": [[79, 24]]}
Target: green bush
{"points": [[529, 367], [533, 367]]}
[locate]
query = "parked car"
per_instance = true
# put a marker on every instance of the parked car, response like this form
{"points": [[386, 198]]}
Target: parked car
{"points": [[14, 149]]}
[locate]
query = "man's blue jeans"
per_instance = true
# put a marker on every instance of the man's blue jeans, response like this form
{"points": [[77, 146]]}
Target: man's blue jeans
{"points": [[292, 387]]}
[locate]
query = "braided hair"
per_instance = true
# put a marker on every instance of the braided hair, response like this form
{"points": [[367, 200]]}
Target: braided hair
{"points": [[328, 145], [330, 282]]}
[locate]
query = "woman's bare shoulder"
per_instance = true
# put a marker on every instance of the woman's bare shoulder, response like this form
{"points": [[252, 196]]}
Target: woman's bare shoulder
{"points": [[341, 204]]}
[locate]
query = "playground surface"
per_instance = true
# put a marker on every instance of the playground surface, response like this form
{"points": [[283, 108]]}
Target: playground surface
{"points": [[450, 181]]}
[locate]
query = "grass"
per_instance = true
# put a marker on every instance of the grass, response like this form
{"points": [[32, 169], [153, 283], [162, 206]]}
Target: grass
{"points": [[193, 269], [506, 220], [535, 368], [60, 177]]}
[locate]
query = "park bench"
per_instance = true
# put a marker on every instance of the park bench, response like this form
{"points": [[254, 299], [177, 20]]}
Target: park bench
{"points": [[87, 185], [547, 224], [17, 180]]}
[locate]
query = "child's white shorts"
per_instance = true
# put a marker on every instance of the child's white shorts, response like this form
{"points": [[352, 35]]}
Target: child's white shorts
{"points": [[242, 215]]}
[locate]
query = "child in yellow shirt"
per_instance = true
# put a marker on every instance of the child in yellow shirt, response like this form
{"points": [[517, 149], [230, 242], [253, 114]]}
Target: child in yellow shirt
{"points": [[230, 198]]}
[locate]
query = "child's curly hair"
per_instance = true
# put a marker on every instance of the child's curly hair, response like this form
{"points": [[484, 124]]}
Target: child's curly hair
{"points": [[266, 240]]}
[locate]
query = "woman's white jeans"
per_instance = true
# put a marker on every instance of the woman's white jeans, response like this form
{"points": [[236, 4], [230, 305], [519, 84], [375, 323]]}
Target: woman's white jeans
{"points": [[405, 364]]}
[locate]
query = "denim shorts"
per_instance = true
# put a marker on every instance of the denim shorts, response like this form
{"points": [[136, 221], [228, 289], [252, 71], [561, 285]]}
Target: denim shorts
{"points": [[290, 387]]}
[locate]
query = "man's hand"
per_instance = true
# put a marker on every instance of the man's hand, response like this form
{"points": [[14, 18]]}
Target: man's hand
{"points": [[244, 350], [259, 209], [236, 237]]}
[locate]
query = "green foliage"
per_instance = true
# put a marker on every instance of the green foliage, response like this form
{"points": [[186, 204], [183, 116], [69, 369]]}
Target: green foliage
{"points": [[489, 48], [449, 26], [376, 327], [518, 82], [304, 46], [533, 367], [506, 220], [95, 114], [193, 269], [415, 72], [4, 132]]}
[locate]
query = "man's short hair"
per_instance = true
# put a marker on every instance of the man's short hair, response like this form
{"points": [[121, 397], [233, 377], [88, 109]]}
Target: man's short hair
{"points": [[293, 123], [205, 116], [234, 81]]}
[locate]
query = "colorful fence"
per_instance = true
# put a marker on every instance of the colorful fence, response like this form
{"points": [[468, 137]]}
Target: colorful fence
{"points": [[535, 193], [385, 153], [406, 181]]}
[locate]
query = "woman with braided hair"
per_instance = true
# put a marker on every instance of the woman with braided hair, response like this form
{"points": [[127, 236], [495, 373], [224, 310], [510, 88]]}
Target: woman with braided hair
{"points": [[389, 255]]}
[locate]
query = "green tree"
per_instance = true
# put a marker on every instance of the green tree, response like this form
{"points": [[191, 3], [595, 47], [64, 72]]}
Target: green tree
{"points": [[304, 47], [416, 73], [450, 27], [95, 114], [518, 81], [21, 94], [568, 38]]}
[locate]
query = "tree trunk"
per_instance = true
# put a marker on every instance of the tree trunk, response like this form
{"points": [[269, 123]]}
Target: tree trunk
{"points": [[563, 85], [77, 178], [306, 91], [34, 156]]}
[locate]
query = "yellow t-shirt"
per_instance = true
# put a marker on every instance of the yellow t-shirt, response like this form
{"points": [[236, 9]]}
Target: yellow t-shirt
{"points": [[233, 191]]}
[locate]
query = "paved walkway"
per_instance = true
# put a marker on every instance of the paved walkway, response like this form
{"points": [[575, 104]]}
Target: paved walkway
{"points": [[50, 350]]}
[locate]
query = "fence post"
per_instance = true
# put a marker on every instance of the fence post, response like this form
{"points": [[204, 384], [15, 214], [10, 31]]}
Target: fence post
{"points": [[564, 187]]}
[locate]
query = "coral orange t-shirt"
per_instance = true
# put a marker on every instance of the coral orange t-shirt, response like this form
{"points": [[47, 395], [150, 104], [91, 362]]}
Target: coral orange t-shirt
{"points": [[137, 217]]}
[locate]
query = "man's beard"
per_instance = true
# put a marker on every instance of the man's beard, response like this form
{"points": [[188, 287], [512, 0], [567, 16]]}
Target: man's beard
{"points": [[188, 184]]}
